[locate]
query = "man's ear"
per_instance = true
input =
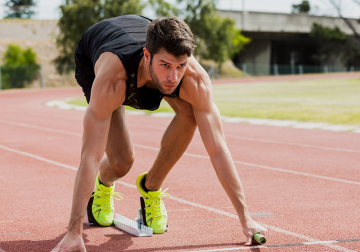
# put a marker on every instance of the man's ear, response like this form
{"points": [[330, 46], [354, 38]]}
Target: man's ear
{"points": [[147, 55]]}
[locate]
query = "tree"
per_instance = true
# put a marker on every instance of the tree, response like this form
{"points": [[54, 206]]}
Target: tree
{"points": [[20, 8], [304, 7], [352, 49], [337, 6], [163, 8], [216, 37], [20, 67], [335, 44], [78, 16], [219, 40]]}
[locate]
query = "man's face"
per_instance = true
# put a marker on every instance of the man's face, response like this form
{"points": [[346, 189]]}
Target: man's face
{"points": [[166, 70]]}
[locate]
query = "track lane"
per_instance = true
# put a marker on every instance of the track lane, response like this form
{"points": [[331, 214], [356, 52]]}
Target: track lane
{"points": [[181, 170], [336, 247]]}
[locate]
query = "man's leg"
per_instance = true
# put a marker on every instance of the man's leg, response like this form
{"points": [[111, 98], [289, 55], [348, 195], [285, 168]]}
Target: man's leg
{"points": [[119, 150], [174, 142]]}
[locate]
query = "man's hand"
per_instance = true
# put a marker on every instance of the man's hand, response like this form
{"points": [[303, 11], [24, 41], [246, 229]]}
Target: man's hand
{"points": [[252, 228], [70, 243]]}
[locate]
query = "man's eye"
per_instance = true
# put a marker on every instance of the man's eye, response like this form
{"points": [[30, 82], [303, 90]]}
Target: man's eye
{"points": [[164, 65]]}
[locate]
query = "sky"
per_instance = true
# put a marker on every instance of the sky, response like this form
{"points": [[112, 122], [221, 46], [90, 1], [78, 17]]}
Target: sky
{"points": [[48, 9]]}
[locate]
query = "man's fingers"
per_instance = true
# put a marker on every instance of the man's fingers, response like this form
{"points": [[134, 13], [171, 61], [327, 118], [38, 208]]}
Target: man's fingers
{"points": [[57, 248], [61, 247], [249, 242]]}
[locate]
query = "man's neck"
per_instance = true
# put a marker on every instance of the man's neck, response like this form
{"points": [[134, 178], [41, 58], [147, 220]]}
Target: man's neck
{"points": [[144, 77]]}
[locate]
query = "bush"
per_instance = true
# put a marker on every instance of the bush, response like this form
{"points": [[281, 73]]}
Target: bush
{"points": [[20, 67]]}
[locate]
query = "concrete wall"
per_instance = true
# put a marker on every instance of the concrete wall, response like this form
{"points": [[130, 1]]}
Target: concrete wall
{"points": [[282, 22], [28, 29], [40, 35], [256, 56], [286, 33]]}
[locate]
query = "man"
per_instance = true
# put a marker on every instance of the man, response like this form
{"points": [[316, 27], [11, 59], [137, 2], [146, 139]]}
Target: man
{"points": [[131, 60]]}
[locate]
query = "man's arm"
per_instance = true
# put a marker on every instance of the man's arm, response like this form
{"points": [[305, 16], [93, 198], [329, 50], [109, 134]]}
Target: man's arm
{"points": [[107, 94], [210, 126]]}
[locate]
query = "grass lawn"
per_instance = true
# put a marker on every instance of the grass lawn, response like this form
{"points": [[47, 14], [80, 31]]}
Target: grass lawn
{"points": [[334, 101]]}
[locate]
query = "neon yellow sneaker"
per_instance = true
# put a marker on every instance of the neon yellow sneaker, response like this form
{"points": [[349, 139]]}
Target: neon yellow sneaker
{"points": [[103, 204], [155, 211]]}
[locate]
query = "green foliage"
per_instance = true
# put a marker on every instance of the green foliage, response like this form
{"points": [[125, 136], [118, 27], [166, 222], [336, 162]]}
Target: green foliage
{"points": [[163, 8], [78, 16], [20, 8], [326, 34], [219, 40], [304, 7], [216, 37], [334, 43], [19, 68]]}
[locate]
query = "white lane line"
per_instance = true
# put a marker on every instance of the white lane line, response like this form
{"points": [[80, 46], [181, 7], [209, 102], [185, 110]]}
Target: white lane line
{"points": [[283, 231], [291, 144], [41, 128], [161, 128], [15, 233], [261, 166], [38, 158], [264, 140], [298, 173], [307, 238], [199, 156]]}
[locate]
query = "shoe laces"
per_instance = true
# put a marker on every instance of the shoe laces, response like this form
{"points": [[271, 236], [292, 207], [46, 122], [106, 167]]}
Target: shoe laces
{"points": [[107, 196], [155, 203]]}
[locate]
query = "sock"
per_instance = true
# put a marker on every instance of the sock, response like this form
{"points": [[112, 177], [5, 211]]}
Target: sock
{"points": [[143, 184], [101, 183]]}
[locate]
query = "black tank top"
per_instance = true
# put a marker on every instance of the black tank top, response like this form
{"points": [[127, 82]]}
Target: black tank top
{"points": [[124, 36]]}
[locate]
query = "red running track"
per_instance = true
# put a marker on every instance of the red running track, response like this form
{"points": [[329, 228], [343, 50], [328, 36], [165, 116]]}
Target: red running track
{"points": [[303, 185]]}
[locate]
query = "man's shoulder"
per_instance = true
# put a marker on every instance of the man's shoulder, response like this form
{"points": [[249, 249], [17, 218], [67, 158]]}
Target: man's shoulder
{"points": [[196, 84], [110, 64], [195, 75]]}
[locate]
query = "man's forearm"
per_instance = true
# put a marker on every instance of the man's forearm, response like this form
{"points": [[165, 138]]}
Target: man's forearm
{"points": [[84, 186], [229, 179]]}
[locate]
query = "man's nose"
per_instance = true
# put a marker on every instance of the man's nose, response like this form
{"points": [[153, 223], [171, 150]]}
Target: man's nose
{"points": [[173, 76]]}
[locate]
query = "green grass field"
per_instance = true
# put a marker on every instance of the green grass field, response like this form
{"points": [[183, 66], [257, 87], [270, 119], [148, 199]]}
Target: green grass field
{"points": [[334, 101]]}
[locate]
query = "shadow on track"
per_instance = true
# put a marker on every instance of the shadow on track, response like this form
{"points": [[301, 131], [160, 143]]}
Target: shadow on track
{"points": [[117, 242]]}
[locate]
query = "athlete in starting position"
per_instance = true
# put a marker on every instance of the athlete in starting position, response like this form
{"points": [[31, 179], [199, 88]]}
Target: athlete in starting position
{"points": [[131, 60]]}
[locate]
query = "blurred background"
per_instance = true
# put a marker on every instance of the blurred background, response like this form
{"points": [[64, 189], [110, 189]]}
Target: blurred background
{"points": [[235, 38]]}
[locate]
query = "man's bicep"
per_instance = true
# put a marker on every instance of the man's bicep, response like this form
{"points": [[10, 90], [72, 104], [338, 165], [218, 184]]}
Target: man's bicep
{"points": [[109, 86], [106, 95], [210, 127]]}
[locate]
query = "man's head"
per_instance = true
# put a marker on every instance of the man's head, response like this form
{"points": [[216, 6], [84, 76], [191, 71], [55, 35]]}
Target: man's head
{"points": [[169, 43]]}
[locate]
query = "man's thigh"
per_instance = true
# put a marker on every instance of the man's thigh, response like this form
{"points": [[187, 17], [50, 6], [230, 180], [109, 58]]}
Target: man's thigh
{"points": [[119, 147]]}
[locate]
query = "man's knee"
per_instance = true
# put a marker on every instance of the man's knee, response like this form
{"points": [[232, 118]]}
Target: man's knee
{"points": [[121, 165]]}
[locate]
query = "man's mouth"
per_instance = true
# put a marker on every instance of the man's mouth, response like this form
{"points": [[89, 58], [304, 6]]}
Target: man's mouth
{"points": [[171, 86]]}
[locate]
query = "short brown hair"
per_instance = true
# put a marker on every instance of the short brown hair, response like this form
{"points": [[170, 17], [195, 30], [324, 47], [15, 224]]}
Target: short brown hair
{"points": [[171, 34]]}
